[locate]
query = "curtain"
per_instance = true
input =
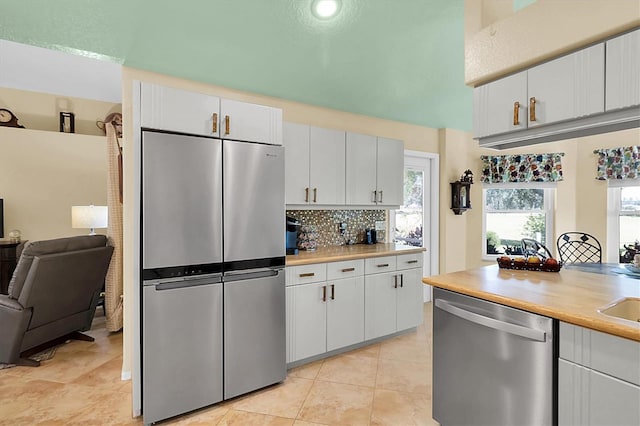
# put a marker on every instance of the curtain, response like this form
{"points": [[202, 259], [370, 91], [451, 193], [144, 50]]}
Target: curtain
{"points": [[618, 163], [113, 285], [522, 168]]}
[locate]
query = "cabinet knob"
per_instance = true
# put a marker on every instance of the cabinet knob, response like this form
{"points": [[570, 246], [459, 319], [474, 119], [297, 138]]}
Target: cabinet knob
{"points": [[532, 109], [516, 113]]}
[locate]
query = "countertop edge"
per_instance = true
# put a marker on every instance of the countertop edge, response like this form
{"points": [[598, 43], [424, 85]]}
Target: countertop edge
{"points": [[336, 256], [602, 325]]}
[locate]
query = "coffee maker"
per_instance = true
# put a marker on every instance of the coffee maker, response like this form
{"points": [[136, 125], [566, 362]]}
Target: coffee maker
{"points": [[291, 234]]}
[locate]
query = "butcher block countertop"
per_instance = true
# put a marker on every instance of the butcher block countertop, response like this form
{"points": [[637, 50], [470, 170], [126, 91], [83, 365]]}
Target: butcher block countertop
{"points": [[356, 251], [569, 295]]}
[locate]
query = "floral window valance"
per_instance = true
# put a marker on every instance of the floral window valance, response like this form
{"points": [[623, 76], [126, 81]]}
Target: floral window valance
{"points": [[522, 168], [618, 163]]}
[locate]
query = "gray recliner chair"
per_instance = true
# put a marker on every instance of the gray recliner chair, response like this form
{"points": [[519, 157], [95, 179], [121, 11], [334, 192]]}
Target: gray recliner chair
{"points": [[53, 293]]}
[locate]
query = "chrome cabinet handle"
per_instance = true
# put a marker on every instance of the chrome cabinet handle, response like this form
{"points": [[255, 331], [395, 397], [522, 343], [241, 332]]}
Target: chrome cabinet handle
{"points": [[214, 126], [324, 293], [333, 292], [518, 330], [307, 274], [348, 269]]}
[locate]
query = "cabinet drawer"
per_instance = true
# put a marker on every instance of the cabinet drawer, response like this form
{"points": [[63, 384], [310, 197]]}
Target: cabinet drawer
{"points": [[377, 265], [409, 261], [346, 269], [304, 274]]}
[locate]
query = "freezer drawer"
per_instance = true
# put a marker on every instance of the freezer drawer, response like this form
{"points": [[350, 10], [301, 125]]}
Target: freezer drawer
{"points": [[492, 364], [254, 332], [182, 347]]}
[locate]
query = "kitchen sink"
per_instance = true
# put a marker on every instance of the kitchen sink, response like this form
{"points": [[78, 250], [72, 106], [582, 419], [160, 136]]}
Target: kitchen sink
{"points": [[627, 309]]}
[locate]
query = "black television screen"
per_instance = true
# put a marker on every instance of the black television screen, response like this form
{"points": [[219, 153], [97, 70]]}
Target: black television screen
{"points": [[1, 220]]}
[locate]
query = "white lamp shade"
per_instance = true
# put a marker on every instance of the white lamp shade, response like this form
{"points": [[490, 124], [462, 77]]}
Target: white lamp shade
{"points": [[89, 217]]}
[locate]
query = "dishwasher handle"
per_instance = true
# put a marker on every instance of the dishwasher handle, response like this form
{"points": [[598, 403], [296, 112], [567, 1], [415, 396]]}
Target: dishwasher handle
{"points": [[518, 330]]}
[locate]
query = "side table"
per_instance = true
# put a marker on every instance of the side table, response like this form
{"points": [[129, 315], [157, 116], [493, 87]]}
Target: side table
{"points": [[9, 254]]}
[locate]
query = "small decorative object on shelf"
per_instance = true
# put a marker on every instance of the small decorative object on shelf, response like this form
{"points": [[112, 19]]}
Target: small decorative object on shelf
{"points": [[67, 122], [14, 235], [461, 193], [308, 238], [8, 119]]}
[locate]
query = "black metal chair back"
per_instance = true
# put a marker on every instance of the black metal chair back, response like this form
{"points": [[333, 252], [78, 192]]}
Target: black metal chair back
{"points": [[531, 247], [579, 247]]}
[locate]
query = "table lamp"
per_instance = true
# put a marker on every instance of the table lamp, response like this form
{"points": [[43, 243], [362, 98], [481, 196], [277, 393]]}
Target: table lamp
{"points": [[89, 217]]}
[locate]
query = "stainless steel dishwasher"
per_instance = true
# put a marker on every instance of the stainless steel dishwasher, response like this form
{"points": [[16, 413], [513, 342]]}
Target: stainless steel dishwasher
{"points": [[492, 364]]}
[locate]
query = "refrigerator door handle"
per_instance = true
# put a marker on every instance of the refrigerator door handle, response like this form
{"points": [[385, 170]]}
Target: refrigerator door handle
{"points": [[238, 276], [529, 333], [188, 282]]}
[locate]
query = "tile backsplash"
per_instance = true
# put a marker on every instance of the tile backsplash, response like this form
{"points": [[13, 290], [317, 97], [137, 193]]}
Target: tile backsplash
{"points": [[327, 224]]}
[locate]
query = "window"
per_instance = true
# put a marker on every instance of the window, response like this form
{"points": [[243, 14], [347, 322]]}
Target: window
{"points": [[623, 230], [513, 213]]}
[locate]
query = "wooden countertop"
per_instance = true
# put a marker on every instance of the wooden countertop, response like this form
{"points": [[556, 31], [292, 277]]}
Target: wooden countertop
{"points": [[356, 251], [569, 295]]}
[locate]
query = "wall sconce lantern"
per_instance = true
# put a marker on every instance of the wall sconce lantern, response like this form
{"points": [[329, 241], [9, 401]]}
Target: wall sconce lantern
{"points": [[461, 193]]}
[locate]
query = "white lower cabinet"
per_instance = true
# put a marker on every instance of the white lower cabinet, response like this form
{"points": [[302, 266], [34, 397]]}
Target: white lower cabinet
{"points": [[338, 304], [598, 380], [393, 300]]}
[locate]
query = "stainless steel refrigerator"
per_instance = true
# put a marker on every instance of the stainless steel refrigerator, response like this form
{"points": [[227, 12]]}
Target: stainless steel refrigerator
{"points": [[213, 294]]}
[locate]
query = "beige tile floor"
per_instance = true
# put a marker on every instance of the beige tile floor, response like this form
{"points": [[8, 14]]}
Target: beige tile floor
{"points": [[387, 383]]}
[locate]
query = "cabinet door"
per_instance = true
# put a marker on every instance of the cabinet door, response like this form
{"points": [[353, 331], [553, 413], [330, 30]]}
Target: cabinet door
{"points": [[361, 169], [494, 104], [568, 87], [167, 108], [295, 138], [345, 312], [326, 166], [409, 299], [307, 320], [623, 71], [611, 401], [379, 305], [243, 121], [390, 172]]}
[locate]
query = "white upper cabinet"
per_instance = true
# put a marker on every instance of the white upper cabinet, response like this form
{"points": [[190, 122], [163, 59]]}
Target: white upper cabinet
{"points": [[177, 110], [375, 171], [390, 172], [167, 108], [244, 121], [362, 159], [500, 106], [623, 71], [568, 87], [314, 165]]}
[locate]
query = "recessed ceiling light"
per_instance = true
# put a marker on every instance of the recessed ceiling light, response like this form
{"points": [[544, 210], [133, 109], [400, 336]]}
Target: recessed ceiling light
{"points": [[325, 9]]}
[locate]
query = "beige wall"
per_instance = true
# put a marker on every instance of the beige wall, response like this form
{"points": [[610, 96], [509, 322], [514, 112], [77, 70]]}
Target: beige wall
{"points": [[42, 174], [537, 32], [41, 111]]}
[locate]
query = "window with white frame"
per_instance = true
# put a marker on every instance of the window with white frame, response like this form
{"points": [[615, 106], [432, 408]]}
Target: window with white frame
{"points": [[512, 212], [623, 228]]}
